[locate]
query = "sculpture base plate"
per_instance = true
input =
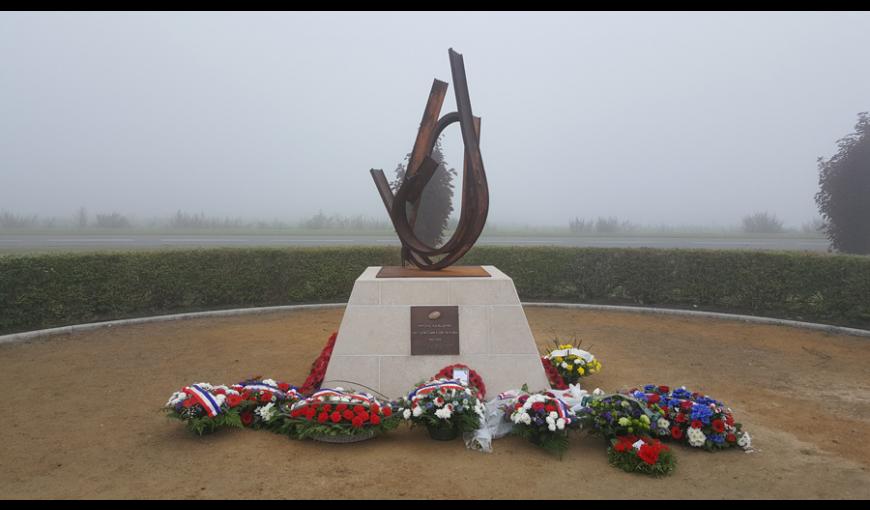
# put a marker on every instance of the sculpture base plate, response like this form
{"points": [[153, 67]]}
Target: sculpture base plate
{"points": [[449, 272]]}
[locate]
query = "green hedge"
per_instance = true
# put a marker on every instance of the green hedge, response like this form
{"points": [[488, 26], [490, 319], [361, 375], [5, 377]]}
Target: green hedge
{"points": [[41, 291]]}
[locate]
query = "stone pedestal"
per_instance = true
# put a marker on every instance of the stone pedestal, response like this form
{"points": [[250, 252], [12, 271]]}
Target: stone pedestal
{"points": [[373, 346]]}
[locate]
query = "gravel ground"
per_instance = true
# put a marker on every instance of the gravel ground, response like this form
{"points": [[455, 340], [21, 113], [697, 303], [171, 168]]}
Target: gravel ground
{"points": [[86, 420]]}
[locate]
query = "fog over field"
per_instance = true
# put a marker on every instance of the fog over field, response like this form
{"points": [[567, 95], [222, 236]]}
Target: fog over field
{"points": [[676, 118]]}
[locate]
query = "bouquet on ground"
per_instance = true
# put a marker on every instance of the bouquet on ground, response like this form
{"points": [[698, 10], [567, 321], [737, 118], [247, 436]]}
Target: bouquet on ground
{"points": [[618, 415], [641, 454], [205, 408], [339, 416], [571, 362], [447, 407], [265, 401], [692, 418], [542, 419]]}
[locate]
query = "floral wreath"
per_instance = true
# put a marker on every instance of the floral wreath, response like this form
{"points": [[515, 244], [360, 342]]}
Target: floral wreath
{"points": [[318, 368], [474, 379]]}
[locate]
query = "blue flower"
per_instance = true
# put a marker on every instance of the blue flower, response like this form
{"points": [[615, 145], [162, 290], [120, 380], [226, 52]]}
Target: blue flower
{"points": [[649, 387], [717, 438]]}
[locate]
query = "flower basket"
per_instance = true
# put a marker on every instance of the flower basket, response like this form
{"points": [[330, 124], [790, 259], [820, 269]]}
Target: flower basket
{"points": [[442, 433], [338, 416], [447, 407], [344, 438]]}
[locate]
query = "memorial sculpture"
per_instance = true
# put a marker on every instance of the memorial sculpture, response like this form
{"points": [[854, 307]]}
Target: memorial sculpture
{"points": [[403, 207], [403, 324]]}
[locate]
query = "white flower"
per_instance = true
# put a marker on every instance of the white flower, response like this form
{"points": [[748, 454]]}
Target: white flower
{"points": [[597, 392], [176, 398], [417, 411], [663, 423], [564, 365], [219, 399], [552, 427], [267, 411], [553, 415], [560, 423], [204, 385], [407, 414], [745, 441], [444, 413], [270, 382], [696, 437], [465, 401], [527, 419]]}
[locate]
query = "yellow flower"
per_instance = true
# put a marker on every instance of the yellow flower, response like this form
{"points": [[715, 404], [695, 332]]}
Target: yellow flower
{"points": [[580, 370], [565, 346], [559, 359]]}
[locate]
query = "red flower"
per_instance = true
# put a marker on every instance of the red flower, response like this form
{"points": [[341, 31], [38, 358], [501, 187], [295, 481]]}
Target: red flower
{"points": [[357, 422], [266, 396], [322, 417], [730, 438], [189, 402], [341, 407], [220, 391], [347, 414], [359, 409], [664, 389], [387, 411], [247, 418], [335, 417], [718, 426], [680, 418], [310, 412], [685, 405], [696, 424], [620, 446], [376, 420], [246, 395], [538, 406], [375, 409], [653, 398], [729, 420], [676, 432], [283, 386], [233, 400], [648, 454], [326, 408], [550, 408]]}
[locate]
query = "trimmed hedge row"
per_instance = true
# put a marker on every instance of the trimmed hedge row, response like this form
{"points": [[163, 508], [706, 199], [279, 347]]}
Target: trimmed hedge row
{"points": [[48, 290]]}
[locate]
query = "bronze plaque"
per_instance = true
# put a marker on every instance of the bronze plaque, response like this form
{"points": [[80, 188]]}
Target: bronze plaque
{"points": [[434, 330]]}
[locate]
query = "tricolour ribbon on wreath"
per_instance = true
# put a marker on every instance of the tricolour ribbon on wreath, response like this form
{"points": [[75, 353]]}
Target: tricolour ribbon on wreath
{"points": [[424, 390], [204, 399]]}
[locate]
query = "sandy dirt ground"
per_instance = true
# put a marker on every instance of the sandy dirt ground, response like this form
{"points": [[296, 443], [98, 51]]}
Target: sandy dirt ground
{"points": [[83, 416]]}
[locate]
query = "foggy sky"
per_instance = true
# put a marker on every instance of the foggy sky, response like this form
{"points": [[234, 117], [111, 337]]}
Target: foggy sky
{"points": [[681, 118]]}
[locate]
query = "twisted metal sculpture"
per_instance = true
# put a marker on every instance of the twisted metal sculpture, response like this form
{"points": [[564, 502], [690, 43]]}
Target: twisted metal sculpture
{"points": [[421, 167]]}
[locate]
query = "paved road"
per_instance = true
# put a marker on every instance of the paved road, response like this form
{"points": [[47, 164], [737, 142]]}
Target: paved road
{"points": [[12, 242]]}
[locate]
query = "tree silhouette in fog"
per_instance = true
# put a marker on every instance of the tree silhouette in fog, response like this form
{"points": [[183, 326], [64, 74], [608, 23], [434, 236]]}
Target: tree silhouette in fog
{"points": [[844, 194], [436, 202]]}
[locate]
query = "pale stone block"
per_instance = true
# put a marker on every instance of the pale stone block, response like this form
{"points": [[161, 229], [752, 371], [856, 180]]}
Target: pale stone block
{"points": [[473, 330], [483, 291], [363, 370], [365, 292], [509, 331], [374, 330], [415, 291]]}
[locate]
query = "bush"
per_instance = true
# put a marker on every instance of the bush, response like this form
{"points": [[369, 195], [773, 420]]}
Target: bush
{"points": [[762, 223], [48, 290]]}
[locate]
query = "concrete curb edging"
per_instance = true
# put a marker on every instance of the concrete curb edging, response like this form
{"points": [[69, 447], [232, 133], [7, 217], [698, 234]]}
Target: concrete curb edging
{"points": [[29, 335]]}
